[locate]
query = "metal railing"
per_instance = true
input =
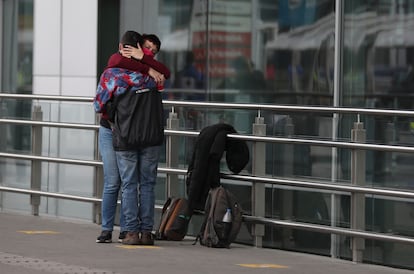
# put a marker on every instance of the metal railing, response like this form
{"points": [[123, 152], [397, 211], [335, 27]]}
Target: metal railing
{"points": [[258, 178]]}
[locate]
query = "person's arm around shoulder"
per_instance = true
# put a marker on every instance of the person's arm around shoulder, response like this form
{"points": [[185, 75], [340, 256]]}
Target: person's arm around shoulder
{"points": [[118, 61], [137, 53], [158, 66]]}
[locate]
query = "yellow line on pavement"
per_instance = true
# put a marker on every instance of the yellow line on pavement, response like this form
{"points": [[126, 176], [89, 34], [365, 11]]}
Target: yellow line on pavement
{"points": [[263, 265], [38, 232], [138, 247]]}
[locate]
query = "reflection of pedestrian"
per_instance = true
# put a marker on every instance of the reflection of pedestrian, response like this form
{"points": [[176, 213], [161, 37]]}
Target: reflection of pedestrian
{"points": [[258, 78], [295, 73], [245, 77], [189, 77]]}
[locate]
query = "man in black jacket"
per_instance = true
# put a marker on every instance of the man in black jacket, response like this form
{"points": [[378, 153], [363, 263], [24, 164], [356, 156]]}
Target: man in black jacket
{"points": [[138, 160]]}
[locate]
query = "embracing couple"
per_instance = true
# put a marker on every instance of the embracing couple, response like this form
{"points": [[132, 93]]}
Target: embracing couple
{"points": [[131, 169]]}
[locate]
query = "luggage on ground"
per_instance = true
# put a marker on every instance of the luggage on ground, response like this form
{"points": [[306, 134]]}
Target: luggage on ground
{"points": [[174, 221], [222, 219]]}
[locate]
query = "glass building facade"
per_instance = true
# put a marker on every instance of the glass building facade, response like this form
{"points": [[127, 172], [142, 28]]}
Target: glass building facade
{"points": [[354, 53]]}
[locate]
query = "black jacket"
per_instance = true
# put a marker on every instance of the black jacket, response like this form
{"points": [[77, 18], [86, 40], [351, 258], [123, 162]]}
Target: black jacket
{"points": [[204, 169], [138, 120]]}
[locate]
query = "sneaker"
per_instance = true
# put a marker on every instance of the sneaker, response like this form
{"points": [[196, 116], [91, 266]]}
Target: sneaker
{"points": [[122, 235], [131, 238], [105, 237], [147, 238]]}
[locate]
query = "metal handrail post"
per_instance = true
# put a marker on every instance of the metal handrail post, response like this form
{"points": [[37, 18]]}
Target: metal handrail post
{"points": [[358, 134], [36, 171], [172, 186], [3, 141], [289, 149], [99, 180], [288, 153], [258, 190], [390, 139]]}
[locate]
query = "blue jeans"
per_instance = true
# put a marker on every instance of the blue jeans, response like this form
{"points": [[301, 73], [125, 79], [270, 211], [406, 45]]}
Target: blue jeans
{"points": [[138, 171], [112, 181]]}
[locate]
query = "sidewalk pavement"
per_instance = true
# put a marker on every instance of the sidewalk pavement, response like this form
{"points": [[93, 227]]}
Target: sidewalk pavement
{"points": [[35, 245]]}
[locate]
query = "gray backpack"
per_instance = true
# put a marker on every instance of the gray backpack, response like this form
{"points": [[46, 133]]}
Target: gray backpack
{"points": [[222, 219]]}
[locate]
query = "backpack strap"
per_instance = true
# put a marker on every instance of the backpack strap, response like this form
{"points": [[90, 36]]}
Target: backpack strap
{"points": [[164, 218], [196, 239], [211, 207]]}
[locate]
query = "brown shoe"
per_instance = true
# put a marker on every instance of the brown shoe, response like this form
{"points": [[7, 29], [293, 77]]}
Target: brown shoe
{"points": [[147, 238], [131, 238]]}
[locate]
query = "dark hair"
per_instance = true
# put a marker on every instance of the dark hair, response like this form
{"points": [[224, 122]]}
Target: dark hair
{"points": [[153, 38], [131, 38]]}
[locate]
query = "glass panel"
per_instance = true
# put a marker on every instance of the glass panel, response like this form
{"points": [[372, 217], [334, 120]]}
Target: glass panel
{"points": [[186, 82], [241, 60], [16, 77], [269, 52], [378, 73], [16, 59], [295, 55], [378, 62], [17, 52]]}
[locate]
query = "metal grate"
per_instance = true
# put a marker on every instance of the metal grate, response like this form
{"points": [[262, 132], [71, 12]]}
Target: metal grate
{"points": [[48, 266]]}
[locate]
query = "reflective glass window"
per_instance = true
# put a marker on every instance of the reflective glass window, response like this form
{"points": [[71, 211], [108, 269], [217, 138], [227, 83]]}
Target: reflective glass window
{"points": [[377, 73]]}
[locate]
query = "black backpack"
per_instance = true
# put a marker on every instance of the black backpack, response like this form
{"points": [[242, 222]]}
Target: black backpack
{"points": [[174, 221], [218, 230]]}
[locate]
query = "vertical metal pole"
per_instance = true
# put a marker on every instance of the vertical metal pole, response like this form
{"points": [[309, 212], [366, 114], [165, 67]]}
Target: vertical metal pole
{"points": [[358, 135], [390, 139], [36, 172], [287, 197], [3, 144], [258, 189], [3, 141], [1, 35], [288, 150], [172, 187], [99, 180], [338, 84], [207, 51], [256, 34]]}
